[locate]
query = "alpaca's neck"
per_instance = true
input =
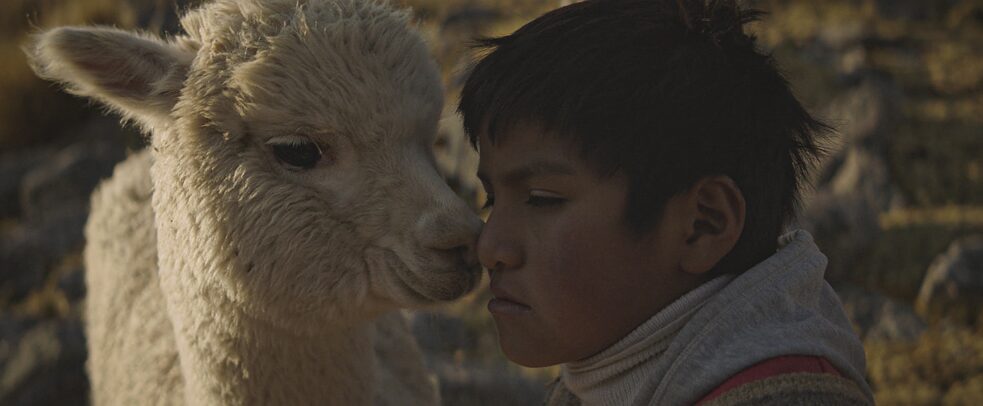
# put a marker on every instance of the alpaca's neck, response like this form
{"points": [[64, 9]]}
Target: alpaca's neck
{"points": [[231, 354], [230, 359]]}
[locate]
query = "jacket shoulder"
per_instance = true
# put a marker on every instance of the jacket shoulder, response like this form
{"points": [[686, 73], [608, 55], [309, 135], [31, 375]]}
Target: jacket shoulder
{"points": [[799, 388]]}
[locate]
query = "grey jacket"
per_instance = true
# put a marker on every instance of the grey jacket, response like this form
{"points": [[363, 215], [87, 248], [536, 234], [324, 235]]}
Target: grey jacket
{"points": [[782, 306]]}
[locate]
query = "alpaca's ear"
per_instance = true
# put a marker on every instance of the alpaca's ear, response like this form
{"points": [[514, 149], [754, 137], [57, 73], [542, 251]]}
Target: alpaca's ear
{"points": [[139, 76]]}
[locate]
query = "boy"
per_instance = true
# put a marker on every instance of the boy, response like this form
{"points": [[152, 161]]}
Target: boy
{"points": [[641, 159]]}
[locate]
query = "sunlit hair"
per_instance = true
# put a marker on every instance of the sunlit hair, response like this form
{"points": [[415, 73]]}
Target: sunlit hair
{"points": [[664, 91]]}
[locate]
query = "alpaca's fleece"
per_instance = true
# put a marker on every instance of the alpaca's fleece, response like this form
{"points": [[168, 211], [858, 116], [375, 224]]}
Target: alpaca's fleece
{"points": [[132, 355], [248, 280], [352, 78]]}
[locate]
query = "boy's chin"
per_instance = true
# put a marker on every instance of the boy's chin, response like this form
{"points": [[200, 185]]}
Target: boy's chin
{"points": [[529, 361], [528, 353]]}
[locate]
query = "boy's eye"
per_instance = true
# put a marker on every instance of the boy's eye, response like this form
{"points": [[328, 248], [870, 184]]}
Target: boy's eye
{"points": [[542, 201]]}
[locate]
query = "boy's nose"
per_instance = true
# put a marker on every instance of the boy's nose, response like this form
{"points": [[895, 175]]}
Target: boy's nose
{"points": [[497, 250]]}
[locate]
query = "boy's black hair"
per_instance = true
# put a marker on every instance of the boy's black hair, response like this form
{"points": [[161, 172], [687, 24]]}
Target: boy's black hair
{"points": [[666, 92]]}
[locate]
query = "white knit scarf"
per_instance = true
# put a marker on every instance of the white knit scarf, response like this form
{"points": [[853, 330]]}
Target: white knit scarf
{"points": [[613, 376]]}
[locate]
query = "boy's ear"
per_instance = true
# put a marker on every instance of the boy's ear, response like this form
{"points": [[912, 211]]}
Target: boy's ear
{"points": [[139, 76], [715, 210]]}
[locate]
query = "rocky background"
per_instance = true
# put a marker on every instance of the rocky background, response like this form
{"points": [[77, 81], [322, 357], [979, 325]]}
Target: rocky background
{"points": [[898, 204]]}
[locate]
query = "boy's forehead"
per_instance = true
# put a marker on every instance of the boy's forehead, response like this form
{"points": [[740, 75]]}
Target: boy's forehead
{"points": [[527, 153], [530, 139]]}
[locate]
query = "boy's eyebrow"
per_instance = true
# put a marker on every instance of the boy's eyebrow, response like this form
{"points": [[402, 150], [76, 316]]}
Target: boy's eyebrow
{"points": [[524, 172]]}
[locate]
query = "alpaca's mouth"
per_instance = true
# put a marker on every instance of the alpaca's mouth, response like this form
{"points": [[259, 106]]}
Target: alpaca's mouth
{"points": [[440, 284], [437, 280]]}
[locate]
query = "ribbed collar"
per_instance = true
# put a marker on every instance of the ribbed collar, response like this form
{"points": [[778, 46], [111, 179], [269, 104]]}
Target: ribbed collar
{"points": [[613, 376]]}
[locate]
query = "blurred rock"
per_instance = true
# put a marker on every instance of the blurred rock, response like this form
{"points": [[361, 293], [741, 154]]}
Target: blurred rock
{"points": [[880, 318], [843, 216], [863, 118], [28, 253], [161, 16], [853, 184], [445, 340], [908, 10], [843, 226], [54, 189], [66, 180], [441, 335], [867, 114], [46, 367], [966, 392], [953, 286], [865, 175], [842, 35], [11, 330], [22, 264], [72, 284], [473, 384], [955, 67], [13, 166], [470, 18]]}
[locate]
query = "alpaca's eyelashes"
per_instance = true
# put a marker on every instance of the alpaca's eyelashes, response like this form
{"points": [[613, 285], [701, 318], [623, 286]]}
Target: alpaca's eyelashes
{"points": [[296, 152]]}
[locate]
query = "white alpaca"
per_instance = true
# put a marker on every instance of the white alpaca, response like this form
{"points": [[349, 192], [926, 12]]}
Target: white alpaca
{"points": [[289, 205]]}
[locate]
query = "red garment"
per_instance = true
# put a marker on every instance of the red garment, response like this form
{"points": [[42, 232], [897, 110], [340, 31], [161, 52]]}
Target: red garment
{"points": [[786, 364]]}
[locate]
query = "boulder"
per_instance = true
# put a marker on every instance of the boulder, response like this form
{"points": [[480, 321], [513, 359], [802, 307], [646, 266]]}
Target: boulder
{"points": [[853, 185], [65, 182], [844, 216], [11, 330], [72, 284], [14, 165], [441, 335], [446, 341], [477, 384], [864, 116], [912, 10], [953, 286], [880, 318], [27, 253], [46, 366]]}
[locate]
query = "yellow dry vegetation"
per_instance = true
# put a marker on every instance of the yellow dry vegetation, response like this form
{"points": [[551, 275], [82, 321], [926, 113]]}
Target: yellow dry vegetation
{"points": [[945, 366], [956, 66], [951, 215]]}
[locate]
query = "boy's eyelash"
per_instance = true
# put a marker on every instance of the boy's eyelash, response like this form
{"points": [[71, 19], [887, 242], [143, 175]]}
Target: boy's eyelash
{"points": [[541, 201], [535, 201]]}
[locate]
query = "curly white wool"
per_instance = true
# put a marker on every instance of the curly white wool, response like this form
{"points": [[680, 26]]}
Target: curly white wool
{"points": [[218, 275]]}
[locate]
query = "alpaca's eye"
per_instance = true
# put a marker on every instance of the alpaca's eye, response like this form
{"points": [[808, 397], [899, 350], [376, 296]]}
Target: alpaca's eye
{"points": [[296, 152]]}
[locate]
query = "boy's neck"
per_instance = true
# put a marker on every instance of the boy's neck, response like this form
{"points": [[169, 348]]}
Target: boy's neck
{"points": [[613, 375]]}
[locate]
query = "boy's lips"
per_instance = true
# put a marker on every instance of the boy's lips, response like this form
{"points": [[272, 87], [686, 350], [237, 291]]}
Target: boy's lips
{"points": [[504, 303]]}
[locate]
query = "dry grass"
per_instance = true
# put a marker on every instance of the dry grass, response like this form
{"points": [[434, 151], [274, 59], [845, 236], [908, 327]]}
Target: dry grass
{"points": [[956, 67], [944, 367], [970, 216], [33, 111], [49, 301]]}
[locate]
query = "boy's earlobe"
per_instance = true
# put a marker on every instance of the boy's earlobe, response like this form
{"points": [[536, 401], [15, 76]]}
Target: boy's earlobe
{"points": [[716, 220]]}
